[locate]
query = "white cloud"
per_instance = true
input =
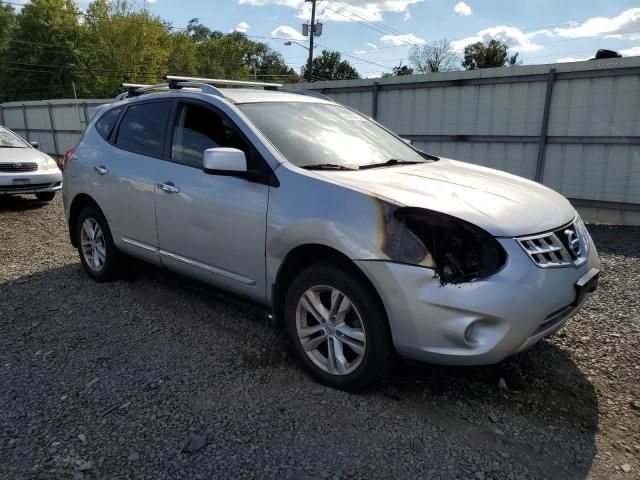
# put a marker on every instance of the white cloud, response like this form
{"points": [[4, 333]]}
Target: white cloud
{"points": [[242, 27], [625, 25], [407, 16], [462, 9], [360, 52], [372, 46], [290, 33], [372, 10], [630, 52], [513, 37], [406, 39]]}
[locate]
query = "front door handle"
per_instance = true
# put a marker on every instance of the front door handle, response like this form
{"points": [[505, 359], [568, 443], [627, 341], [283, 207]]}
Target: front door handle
{"points": [[101, 169], [168, 187]]}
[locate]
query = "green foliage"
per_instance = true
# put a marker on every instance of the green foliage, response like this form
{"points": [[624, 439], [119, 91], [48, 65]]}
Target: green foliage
{"points": [[50, 48], [402, 70], [493, 54], [330, 66]]}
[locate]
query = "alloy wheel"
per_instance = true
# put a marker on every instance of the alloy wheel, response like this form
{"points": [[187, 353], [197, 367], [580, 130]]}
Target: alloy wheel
{"points": [[93, 244], [330, 330]]}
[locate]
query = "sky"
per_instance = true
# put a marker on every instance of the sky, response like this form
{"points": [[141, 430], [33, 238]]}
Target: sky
{"points": [[376, 35]]}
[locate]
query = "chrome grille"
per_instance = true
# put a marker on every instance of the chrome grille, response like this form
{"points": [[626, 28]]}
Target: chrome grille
{"points": [[564, 247], [19, 167]]}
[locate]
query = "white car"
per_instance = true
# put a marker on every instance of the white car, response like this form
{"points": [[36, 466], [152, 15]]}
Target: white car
{"points": [[26, 170]]}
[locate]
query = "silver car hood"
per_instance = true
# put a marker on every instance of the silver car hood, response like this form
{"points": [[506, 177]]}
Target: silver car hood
{"points": [[503, 204], [13, 155]]}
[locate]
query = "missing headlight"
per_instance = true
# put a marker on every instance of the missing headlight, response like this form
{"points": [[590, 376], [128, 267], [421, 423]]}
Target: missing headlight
{"points": [[458, 250]]}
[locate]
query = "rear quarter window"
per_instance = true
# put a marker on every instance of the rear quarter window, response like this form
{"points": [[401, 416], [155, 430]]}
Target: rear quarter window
{"points": [[105, 124]]}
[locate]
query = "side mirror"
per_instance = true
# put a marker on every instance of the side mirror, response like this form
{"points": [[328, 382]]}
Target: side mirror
{"points": [[34, 144], [407, 141], [224, 161]]}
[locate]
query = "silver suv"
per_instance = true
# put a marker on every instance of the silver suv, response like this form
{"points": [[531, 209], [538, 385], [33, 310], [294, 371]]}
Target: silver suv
{"points": [[364, 246]]}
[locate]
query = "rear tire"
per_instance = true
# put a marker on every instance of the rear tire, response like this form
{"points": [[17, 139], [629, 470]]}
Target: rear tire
{"points": [[45, 196], [338, 327], [98, 253]]}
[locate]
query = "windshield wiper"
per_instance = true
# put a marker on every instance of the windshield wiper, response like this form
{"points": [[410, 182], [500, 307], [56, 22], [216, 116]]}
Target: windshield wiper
{"points": [[328, 166], [389, 163]]}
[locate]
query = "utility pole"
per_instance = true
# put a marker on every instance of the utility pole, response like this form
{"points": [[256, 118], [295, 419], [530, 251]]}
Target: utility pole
{"points": [[312, 31]]}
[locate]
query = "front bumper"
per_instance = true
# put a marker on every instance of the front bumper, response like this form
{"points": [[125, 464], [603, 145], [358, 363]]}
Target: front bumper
{"points": [[481, 322], [30, 182]]}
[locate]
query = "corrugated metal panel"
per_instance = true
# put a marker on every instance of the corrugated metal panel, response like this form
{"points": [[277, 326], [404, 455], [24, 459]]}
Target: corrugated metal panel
{"points": [[13, 118], [595, 172]]}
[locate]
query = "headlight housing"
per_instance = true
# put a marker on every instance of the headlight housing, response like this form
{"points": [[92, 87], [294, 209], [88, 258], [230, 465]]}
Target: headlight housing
{"points": [[49, 163], [459, 251]]}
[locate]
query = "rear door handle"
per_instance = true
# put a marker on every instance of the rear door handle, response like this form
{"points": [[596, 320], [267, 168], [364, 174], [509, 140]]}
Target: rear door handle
{"points": [[168, 187], [101, 169]]}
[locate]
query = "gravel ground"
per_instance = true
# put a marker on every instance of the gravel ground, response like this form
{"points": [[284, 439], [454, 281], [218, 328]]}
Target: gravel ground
{"points": [[154, 377]]}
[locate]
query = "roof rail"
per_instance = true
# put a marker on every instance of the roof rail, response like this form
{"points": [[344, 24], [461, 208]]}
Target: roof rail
{"points": [[220, 81], [135, 89]]}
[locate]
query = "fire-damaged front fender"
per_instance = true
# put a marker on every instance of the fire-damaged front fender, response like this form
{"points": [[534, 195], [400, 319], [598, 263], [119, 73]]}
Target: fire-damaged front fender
{"points": [[309, 210]]}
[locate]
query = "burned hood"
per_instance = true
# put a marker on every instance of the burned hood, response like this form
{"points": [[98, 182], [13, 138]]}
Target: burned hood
{"points": [[500, 203]]}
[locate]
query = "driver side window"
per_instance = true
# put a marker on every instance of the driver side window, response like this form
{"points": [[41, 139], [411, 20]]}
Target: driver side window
{"points": [[197, 129]]}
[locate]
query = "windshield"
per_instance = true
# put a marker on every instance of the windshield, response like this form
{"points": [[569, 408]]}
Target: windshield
{"points": [[8, 139], [317, 134]]}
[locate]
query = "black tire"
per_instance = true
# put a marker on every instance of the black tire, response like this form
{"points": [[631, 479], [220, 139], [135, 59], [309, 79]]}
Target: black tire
{"points": [[379, 353], [45, 196], [109, 268]]}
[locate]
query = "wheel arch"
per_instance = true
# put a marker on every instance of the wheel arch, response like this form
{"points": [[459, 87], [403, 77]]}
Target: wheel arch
{"points": [[302, 257], [79, 202]]}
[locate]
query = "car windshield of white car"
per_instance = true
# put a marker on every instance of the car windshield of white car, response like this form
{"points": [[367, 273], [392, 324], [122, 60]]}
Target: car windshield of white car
{"points": [[328, 136], [9, 139]]}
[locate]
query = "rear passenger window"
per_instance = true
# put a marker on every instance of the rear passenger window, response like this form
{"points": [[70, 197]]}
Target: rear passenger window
{"points": [[142, 128], [105, 125]]}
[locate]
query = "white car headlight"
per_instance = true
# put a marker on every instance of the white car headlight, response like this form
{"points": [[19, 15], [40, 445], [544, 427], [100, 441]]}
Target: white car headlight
{"points": [[49, 163]]}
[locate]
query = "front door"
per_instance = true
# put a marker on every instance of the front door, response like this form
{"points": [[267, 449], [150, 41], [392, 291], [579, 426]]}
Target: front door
{"points": [[210, 226]]}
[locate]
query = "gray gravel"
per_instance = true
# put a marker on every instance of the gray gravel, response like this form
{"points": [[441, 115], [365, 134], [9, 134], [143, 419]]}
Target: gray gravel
{"points": [[154, 377]]}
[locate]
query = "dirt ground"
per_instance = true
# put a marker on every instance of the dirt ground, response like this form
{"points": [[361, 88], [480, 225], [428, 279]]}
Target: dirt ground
{"points": [[155, 377]]}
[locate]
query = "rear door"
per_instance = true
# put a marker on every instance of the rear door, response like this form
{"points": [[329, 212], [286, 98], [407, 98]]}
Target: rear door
{"points": [[211, 226], [124, 176]]}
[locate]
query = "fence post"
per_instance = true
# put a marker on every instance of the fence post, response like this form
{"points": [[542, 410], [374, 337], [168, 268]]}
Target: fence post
{"points": [[53, 130], [86, 115], [374, 100], [542, 142], [26, 124]]}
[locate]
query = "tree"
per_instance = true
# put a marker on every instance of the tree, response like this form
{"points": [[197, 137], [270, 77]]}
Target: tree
{"points": [[434, 57], [402, 70], [330, 66], [493, 54], [42, 58], [121, 44]]}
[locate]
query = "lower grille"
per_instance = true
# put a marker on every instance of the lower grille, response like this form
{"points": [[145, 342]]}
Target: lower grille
{"points": [[28, 186], [19, 167], [554, 319]]}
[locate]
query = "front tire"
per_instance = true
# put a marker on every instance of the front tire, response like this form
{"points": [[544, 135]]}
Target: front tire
{"points": [[45, 196], [338, 327], [98, 253]]}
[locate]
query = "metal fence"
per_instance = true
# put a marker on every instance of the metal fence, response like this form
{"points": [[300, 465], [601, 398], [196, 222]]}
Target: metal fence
{"points": [[56, 125], [574, 127]]}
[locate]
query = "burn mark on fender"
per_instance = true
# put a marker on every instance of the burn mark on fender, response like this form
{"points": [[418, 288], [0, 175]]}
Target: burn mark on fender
{"points": [[398, 243]]}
